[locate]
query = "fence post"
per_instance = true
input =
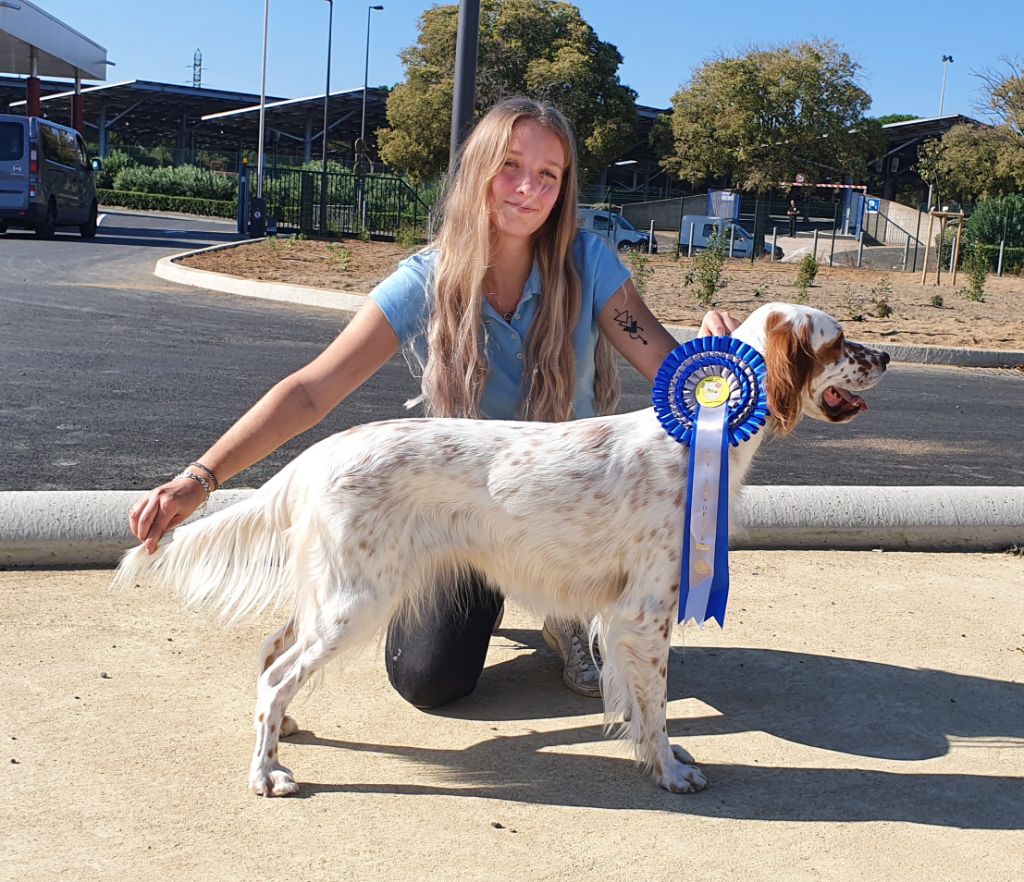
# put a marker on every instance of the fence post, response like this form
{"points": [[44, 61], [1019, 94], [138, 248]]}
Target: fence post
{"points": [[835, 223], [1002, 246], [430, 225], [860, 249], [689, 245], [917, 240], [732, 239], [775, 243], [906, 253], [679, 226], [650, 241], [815, 243]]}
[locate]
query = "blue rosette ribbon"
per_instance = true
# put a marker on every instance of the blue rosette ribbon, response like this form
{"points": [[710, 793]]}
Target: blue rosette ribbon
{"points": [[708, 394]]}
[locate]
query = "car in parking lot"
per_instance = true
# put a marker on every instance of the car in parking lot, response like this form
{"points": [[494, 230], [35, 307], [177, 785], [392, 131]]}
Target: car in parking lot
{"points": [[46, 178], [618, 231], [705, 226]]}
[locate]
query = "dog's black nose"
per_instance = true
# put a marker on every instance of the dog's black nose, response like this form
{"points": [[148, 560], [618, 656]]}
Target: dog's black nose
{"points": [[885, 359]]}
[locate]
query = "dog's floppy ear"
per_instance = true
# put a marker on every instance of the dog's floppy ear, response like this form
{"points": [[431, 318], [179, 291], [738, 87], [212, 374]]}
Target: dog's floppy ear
{"points": [[790, 362]]}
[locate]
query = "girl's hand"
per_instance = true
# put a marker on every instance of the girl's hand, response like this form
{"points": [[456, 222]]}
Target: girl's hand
{"points": [[718, 324], [163, 509]]}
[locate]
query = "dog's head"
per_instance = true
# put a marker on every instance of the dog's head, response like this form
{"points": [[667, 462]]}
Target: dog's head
{"points": [[813, 370]]}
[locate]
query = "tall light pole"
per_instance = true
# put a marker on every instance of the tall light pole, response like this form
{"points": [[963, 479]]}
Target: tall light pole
{"points": [[263, 102], [366, 73], [947, 60], [327, 96], [467, 44]]}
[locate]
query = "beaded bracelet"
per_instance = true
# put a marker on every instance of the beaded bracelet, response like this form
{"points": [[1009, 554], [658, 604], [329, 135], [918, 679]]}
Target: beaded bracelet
{"points": [[209, 472]]}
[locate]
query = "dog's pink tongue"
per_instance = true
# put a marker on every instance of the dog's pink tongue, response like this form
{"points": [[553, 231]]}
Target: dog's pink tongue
{"points": [[836, 397]]}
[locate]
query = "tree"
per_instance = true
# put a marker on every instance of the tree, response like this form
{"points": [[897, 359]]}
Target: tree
{"points": [[979, 161], [887, 118], [758, 119], [973, 162], [540, 48]]}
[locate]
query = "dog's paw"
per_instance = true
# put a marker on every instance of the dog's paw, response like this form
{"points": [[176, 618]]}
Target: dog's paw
{"points": [[684, 756], [273, 781], [288, 726], [682, 776]]}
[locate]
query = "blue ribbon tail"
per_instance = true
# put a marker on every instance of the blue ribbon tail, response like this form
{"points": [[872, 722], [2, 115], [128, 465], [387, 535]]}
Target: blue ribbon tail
{"points": [[720, 584], [684, 571]]}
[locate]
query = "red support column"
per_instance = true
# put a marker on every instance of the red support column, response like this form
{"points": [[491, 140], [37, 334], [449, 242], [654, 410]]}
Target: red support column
{"points": [[33, 92], [77, 107]]}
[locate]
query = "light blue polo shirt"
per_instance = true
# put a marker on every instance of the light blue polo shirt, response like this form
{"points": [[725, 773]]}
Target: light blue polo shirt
{"points": [[406, 296]]}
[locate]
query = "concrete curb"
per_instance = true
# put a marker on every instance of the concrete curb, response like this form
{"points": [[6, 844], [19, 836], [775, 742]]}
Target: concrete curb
{"points": [[44, 529], [350, 302]]}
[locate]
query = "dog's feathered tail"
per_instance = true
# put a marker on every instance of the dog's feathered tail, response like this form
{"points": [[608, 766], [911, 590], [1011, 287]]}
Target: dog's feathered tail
{"points": [[234, 561]]}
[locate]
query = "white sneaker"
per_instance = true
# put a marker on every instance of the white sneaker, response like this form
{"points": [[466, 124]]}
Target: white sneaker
{"points": [[570, 639]]}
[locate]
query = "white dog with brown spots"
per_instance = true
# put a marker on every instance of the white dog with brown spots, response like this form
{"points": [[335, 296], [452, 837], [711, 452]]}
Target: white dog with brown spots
{"points": [[580, 519]]}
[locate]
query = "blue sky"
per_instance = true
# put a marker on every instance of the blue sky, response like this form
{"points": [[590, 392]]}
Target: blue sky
{"points": [[661, 41]]}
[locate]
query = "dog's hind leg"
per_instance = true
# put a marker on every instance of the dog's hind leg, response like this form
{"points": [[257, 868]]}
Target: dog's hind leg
{"points": [[636, 679], [338, 624], [270, 651], [276, 687]]}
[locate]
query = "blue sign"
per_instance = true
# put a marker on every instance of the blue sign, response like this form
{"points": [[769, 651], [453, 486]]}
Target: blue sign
{"points": [[872, 204]]}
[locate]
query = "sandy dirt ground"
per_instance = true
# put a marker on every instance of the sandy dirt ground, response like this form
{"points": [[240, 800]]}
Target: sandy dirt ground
{"points": [[851, 295], [859, 718]]}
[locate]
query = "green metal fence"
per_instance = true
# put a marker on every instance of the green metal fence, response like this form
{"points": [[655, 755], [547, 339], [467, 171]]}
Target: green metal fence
{"points": [[340, 204]]}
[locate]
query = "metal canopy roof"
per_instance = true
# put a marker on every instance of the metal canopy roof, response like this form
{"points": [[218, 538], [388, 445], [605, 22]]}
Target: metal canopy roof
{"points": [[289, 118], [60, 50], [149, 113], [145, 112]]}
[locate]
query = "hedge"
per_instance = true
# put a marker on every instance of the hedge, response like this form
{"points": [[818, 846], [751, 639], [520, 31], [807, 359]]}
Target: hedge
{"points": [[1013, 258], [159, 202], [182, 180]]}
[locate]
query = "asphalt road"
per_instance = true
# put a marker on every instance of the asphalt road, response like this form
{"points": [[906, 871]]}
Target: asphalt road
{"points": [[114, 379]]}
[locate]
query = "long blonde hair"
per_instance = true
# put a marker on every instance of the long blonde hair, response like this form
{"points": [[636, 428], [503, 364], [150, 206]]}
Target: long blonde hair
{"points": [[456, 368]]}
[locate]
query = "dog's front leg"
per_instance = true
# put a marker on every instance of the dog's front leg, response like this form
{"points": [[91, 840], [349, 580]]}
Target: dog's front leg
{"points": [[641, 669]]}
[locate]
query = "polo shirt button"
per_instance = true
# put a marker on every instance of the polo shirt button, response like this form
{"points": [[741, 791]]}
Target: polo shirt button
{"points": [[519, 355]]}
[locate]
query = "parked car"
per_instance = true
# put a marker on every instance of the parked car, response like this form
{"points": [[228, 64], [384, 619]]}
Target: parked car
{"points": [[619, 232], [704, 226], [46, 179]]}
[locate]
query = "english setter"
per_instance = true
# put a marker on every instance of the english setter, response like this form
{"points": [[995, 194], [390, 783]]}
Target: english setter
{"points": [[580, 519]]}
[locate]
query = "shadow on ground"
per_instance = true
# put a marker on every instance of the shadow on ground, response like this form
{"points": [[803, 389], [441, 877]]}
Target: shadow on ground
{"points": [[859, 708]]}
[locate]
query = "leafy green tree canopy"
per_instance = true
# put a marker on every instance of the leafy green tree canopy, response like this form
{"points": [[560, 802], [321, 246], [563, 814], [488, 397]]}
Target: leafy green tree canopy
{"points": [[540, 48], [972, 162], [887, 118], [757, 119]]}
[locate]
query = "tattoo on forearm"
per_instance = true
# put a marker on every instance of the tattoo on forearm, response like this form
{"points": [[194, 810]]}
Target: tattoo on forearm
{"points": [[628, 323]]}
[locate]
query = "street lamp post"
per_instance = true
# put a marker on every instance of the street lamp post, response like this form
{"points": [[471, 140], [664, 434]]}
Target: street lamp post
{"points": [[947, 60], [327, 96], [361, 147], [366, 73], [263, 102]]}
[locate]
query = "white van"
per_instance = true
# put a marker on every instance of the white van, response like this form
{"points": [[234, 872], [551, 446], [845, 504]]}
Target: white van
{"points": [[46, 179], [704, 227], [619, 232]]}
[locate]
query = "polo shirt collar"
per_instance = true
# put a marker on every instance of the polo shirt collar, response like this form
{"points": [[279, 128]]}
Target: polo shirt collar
{"points": [[532, 286]]}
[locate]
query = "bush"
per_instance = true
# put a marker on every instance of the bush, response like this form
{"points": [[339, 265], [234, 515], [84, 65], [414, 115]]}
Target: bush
{"points": [[976, 268], [184, 180], [706, 269], [159, 202], [805, 275], [985, 225], [114, 163], [640, 267]]}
